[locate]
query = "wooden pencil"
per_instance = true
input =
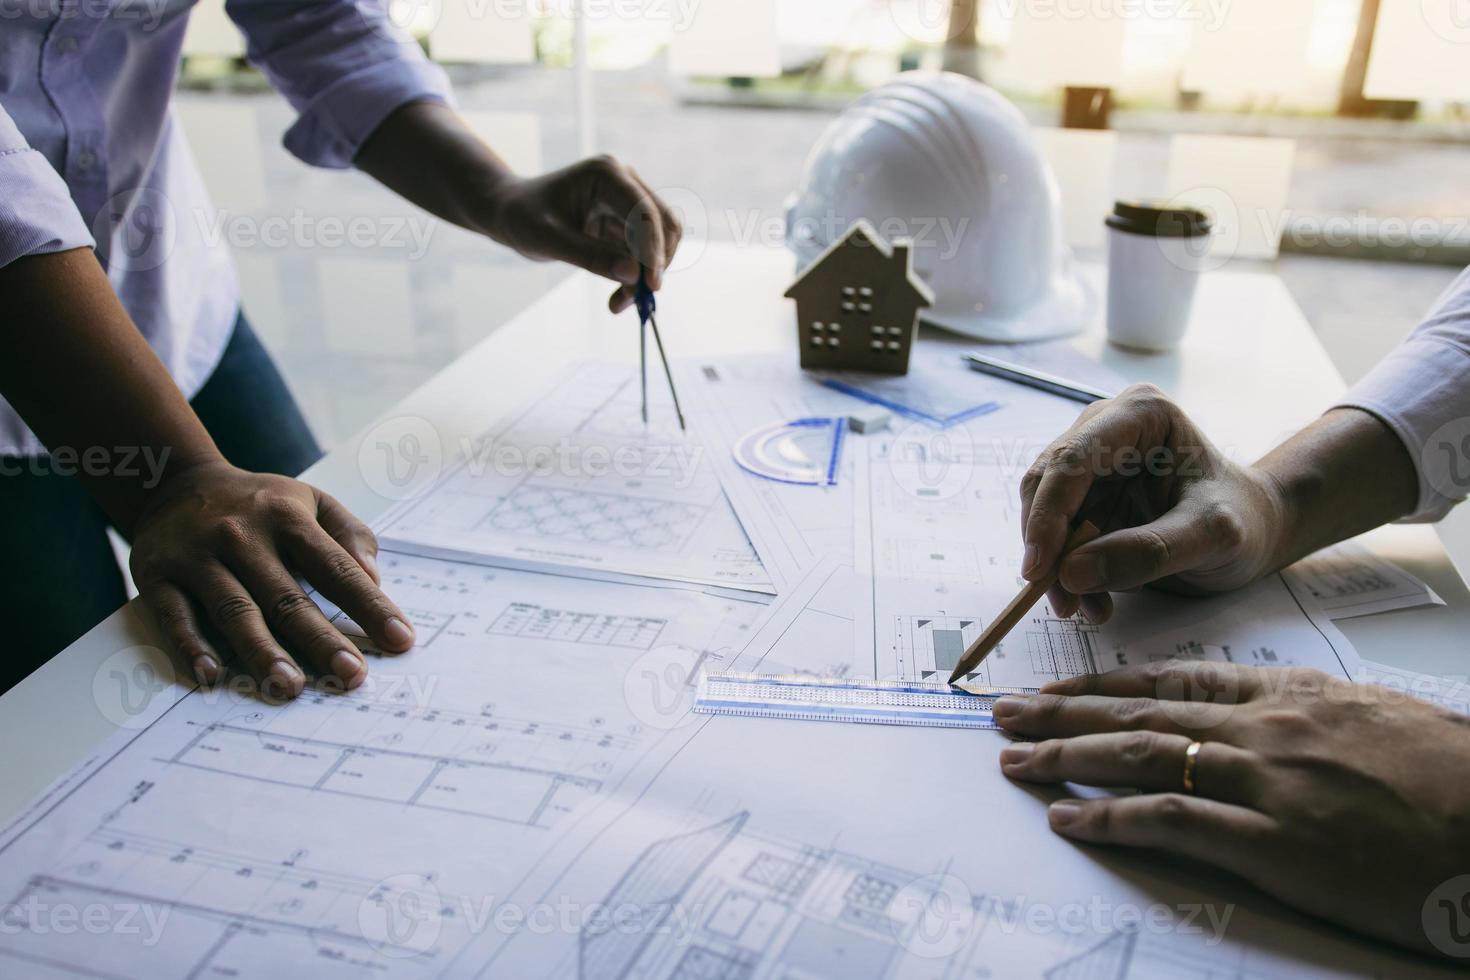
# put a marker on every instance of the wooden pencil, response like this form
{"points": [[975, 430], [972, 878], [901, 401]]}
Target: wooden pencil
{"points": [[1013, 613]]}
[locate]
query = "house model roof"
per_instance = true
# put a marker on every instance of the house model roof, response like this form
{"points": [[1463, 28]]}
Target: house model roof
{"points": [[900, 251]]}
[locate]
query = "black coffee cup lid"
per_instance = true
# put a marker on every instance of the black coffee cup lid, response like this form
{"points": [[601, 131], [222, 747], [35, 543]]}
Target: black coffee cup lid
{"points": [[1159, 219]]}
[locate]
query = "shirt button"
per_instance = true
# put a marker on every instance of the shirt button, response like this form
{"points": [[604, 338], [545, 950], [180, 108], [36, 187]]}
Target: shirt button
{"points": [[68, 45], [86, 159]]}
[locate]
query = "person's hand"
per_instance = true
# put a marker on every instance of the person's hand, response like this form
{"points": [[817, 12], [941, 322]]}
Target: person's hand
{"points": [[221, 545], [1347, 800], [597, 214], [1184, 515]]}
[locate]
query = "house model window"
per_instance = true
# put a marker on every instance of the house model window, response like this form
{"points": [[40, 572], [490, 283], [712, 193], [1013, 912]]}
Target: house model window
{"points": [[858, 303]]}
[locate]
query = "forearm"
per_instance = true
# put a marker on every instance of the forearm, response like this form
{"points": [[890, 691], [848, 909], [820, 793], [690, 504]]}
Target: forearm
{"points": [[82, 376], [1344, 474], [597, 214], [426, 154]]}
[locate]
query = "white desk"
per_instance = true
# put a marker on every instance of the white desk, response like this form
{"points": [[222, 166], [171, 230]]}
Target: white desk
{"points": [[1250, 371]]}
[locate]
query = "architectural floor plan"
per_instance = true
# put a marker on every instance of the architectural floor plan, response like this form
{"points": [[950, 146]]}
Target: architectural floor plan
{"points": [[325, 824]]}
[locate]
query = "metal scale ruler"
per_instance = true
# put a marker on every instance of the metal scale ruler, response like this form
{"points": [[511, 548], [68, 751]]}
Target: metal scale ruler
{"points": [[930, 704]]}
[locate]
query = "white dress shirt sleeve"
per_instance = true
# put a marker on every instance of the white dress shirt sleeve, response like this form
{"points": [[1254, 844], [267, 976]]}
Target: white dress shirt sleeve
{"points": [[1422, 392], [37, 215], [342, 64]]}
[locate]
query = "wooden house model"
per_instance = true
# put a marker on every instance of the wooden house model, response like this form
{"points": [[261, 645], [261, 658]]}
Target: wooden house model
{"points": [[858, 303]]}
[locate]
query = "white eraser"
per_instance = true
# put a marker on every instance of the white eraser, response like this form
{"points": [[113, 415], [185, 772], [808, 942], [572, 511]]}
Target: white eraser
{"points": [[869, 420]]}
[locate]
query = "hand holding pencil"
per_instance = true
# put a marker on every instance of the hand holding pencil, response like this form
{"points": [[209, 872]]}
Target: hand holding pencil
{"points": [[1013, 613], [1182, 515]]}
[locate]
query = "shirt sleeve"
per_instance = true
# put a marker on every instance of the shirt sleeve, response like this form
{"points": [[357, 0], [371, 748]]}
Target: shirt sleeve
{"points": [[1422, 392], [343, 64], [37, 214]]}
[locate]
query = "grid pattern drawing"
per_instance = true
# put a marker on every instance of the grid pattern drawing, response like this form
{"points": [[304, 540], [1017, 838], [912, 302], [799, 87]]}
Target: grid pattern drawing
{"points": [[930, 645], [1060, 647], [600, 518], [532, 622]]}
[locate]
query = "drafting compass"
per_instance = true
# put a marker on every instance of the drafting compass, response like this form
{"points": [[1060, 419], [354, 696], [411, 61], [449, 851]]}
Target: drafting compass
{"points": [[643, 299]]}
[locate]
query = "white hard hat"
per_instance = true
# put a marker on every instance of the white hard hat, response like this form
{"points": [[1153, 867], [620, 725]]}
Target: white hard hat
{"points": [[948, 163]]}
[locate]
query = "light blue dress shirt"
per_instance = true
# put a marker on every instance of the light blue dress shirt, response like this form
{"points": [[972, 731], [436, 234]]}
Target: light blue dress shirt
{"points": [[90, 153]]}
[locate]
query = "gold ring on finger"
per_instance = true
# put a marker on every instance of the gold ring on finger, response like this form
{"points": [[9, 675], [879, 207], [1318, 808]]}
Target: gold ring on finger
{"points": [[1191, 760]]}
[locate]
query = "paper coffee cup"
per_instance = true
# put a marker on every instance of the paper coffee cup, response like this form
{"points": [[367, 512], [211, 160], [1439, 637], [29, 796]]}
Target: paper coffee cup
{"points": [[1155, 253]]}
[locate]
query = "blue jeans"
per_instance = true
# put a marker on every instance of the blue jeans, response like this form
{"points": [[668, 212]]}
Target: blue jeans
{"points": [[58, 574]]}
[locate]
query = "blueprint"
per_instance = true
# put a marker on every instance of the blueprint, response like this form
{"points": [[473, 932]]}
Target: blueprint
{"points": [[793, 526], [526, 794], [941, 389], [529, 794], [790, 526], [1348, 580], [938, 552], [772, 850], [1448, 692], [246, 840], [576, 480], [808, 630]]}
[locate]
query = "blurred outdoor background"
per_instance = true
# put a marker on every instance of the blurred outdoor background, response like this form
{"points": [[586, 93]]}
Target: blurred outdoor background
{"points": [[1339, 130]]}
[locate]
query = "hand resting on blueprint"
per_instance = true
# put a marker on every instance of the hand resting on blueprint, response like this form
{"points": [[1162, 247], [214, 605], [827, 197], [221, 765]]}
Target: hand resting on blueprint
{"points": [[1179, 513], [1346, 800], [220, 544], [213, 545]]}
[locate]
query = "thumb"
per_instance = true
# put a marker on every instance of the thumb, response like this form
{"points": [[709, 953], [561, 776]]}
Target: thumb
{"points": [[1185, 539], [596, 255]]}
